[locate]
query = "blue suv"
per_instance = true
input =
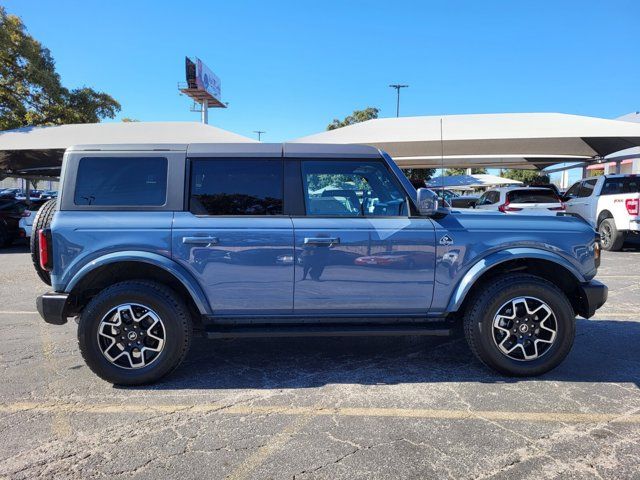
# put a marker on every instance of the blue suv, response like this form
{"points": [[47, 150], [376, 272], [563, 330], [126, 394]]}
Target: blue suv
{"points": [[148, 245]]}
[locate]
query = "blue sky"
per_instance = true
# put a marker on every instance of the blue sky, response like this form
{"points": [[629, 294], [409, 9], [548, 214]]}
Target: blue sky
{"points": [[290, 67]]}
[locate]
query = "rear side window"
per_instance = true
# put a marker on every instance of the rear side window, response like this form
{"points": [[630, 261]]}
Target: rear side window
{"points": [[615, 186], [121, 181], [236, 187], [532, 196]]}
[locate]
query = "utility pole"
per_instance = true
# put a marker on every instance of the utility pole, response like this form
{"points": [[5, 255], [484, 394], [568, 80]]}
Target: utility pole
{"points": [[397, 86], [259, 132]]}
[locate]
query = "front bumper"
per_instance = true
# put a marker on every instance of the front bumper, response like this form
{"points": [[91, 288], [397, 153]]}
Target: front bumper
{"points": [[52, 307], [593, 295]]}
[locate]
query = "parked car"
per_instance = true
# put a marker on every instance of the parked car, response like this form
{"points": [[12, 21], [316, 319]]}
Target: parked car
{"points": [[521, 201], [11, 193], [25, 225], [11, 211], [124, 253], [49, 194], [455, 200], [609, 203]]}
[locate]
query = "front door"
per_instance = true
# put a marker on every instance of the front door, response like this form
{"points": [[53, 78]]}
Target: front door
{"points": [[358, 252], [235, 239], [580, 200]]}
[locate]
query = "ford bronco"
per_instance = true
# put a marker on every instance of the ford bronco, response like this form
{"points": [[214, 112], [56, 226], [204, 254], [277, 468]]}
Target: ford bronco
{"points": [[148, 245]]}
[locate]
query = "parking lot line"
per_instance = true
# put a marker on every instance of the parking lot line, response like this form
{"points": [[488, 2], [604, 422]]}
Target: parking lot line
{"points": [[18, 312], [108, 408]]}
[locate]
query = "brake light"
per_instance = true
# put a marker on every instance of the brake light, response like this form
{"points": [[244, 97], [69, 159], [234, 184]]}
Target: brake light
{"points": [[504, 208], [43, 248], [633, 205], [560, 208]]}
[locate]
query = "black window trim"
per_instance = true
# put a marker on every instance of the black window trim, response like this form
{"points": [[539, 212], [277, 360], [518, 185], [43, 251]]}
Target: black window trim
{"points": [[189, 169]]}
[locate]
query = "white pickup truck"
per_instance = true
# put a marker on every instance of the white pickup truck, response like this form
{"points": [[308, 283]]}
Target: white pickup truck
{"points": [[610, 203]]}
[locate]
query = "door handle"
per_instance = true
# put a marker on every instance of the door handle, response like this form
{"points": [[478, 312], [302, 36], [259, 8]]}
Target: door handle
{"points": [[322, 241], [200, 240]]}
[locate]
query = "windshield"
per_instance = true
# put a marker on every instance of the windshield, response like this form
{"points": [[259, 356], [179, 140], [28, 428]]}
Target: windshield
{"points": [[542, 195]]}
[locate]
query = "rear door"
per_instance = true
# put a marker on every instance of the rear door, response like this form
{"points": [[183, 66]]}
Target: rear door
{"points": [[358, 251], [235, 238]]}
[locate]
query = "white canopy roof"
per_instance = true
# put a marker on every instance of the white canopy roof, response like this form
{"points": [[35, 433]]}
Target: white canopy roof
{"points": [[497, 140], [32, 148], [472, 181]]}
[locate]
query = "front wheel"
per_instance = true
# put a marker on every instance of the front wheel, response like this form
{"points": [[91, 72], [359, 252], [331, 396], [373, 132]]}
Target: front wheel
{"points": [[134, 332], [520, 325]]}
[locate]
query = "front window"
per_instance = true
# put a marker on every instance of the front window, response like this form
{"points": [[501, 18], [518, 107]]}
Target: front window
{"points": [[351, 189], [587, 188]]}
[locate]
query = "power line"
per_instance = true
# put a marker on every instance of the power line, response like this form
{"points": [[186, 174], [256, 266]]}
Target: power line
{"points": [[259, 132]]}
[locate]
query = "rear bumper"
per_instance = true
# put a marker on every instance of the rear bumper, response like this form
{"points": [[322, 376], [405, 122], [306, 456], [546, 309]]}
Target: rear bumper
{"points": [[52, 307], [592, 296]]}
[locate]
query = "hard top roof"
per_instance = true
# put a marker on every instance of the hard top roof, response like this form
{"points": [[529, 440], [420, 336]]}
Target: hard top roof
{"points": [[292, 150]]}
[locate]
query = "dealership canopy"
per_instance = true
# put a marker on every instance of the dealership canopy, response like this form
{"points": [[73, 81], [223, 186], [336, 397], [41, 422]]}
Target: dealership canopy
{"points": [[520, 140], [37, 151], [470, 181]]}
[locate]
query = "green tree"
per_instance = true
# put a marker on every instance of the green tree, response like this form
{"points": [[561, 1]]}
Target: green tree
{"points": [[526, 176], [357, 116], [419, 175], [129, 120], [462, 171], [30, 89]]}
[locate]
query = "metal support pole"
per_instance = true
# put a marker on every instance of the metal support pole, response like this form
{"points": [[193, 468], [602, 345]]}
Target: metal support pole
{"points": [[397, 86], [584, 171], [618, 166], [205, 111]]}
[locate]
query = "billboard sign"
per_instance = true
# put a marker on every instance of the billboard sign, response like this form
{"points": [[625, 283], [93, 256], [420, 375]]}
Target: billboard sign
{"points": [[202, 78]]}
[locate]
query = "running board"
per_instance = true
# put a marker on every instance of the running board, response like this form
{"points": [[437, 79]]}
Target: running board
{"points": [[328, 330]]}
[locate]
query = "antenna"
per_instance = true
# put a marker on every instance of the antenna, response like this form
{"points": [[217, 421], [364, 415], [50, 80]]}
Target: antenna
{"points": [[441, 158]]}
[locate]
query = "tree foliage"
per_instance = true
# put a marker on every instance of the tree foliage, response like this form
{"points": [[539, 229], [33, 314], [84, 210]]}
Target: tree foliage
{"points": [[526, 176], [357, 116], [30, 89]]}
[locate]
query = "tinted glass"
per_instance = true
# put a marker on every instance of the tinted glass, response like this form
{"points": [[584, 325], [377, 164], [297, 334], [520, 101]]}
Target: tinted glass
{"points": [[351, 189], [121, 181], [573, 191], [586, 189], [615, 186], [236, 187], [532, 196]]}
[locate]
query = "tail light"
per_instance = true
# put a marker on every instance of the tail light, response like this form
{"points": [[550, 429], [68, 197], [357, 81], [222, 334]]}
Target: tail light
{"points": [[44, 248], [504, 208], [562, 207], [633, 205]]}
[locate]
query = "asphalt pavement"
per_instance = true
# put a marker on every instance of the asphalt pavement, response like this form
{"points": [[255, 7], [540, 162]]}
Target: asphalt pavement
{"points": [[321, 407]]}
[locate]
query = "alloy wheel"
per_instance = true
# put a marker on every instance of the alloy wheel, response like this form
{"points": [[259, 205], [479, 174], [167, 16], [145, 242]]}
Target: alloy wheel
{"points": [[131, 336], [524, 328]]}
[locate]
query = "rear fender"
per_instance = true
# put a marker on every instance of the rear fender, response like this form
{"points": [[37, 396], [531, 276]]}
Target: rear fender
{"points": [[171, 267]]}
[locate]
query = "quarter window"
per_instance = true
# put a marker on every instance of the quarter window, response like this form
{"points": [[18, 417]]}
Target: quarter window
{"points": [[121, 181], [351, 189], [236, 187]]}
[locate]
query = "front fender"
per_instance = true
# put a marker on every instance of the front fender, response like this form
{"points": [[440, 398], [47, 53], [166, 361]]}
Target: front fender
{"points": [[171, 267], [496, 258]]}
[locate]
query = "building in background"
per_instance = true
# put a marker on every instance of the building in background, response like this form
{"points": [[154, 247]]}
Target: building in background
{"points": [[629, 159]]}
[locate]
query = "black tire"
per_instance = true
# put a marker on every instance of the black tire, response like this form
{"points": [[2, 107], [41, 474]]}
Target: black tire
{"points": [[42, 220], [480, 331], [611, 238], [169, 308], [5, 238]]}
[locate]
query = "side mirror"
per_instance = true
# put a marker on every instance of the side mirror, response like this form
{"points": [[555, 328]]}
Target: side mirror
{"points": [[427, 202]]}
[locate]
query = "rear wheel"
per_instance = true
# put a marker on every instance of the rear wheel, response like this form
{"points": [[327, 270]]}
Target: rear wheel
{"points": [[134, 333], [520, 325], [41, 221], [611, 238]]}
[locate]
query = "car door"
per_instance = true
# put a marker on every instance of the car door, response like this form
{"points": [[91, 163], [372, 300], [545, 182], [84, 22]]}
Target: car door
{"points": [[358, 250], [580, 198], [235, 238]]}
